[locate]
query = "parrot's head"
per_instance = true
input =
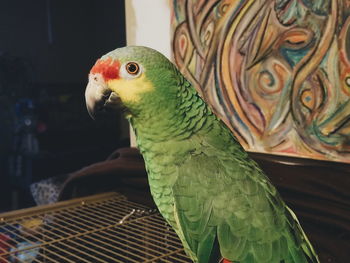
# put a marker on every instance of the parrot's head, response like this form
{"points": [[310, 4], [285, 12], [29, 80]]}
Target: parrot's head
{"points": [[133, 79]]}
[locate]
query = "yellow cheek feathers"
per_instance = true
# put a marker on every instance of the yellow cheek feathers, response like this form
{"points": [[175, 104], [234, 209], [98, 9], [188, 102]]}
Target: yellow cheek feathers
{"points": [[130, 90]]}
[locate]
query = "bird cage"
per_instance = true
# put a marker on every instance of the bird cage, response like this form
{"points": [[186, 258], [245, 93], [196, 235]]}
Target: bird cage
{"points": [[101, 228]]}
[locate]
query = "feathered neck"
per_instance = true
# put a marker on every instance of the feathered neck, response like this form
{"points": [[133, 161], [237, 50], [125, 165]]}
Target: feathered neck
{"points": [[176, 119]]}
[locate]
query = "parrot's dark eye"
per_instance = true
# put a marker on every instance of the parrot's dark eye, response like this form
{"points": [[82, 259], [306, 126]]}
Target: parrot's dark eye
{"points": [[132, 68]]}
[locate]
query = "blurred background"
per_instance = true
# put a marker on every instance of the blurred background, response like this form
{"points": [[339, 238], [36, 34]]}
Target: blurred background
{"points": [[46, 50]]}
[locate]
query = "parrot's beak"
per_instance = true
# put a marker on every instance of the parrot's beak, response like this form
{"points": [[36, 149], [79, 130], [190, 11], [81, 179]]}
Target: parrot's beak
{"points": [[100, 98]]}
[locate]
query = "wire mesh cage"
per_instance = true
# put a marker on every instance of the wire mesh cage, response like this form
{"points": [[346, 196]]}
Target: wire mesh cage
{"points": [[100, 228]]}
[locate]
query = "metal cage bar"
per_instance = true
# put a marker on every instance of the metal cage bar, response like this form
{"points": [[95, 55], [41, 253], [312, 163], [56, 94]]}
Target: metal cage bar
{"points": [[101, 228]]}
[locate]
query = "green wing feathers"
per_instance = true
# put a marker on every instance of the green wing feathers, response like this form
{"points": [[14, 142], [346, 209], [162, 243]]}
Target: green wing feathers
{"points": [[220, 194], [300, 238], [247, 217]]}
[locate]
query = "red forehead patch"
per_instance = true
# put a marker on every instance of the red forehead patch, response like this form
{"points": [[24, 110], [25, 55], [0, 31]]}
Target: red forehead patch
{"points": [[108, 68]]}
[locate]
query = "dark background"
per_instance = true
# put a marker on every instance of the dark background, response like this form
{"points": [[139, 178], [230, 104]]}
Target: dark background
{"points": [[47, 48]]}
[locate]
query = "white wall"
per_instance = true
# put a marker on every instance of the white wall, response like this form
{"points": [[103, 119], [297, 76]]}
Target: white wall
{"points": [[148, 24]]}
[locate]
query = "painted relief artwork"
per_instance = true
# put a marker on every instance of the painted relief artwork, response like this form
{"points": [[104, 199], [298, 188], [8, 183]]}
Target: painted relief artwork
{"points": [[276, 71]]}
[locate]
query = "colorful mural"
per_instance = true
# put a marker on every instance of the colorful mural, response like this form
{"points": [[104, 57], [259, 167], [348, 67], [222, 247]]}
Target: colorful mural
{"points": [[276, 71]]}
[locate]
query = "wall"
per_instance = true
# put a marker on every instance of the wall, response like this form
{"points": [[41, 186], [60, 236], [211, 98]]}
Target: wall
{"points": [[149, 28]]}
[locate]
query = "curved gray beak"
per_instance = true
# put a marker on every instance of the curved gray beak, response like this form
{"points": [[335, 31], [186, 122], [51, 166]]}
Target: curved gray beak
{"points": [[99, 98]]}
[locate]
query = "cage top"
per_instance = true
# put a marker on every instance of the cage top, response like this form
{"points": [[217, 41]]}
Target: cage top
{"points": [[100, 228]]}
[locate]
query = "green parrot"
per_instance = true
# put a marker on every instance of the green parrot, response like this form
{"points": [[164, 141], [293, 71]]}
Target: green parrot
{"points": [[219, 202]]}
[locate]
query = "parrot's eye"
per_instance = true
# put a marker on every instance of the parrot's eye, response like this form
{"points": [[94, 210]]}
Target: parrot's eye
{"points": [[132, 68]]}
